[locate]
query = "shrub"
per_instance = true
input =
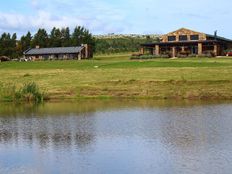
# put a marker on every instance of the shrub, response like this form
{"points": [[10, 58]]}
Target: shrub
{"points": [[149, 56], [164, 56], [192, 55], [30, 92], [207, 54], [181, 55]]}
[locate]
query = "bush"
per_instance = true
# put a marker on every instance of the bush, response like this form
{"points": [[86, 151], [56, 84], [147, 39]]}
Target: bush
{"points": [[30, 92], [207, 54], [181, 56], [192, 55], [164, 56], [149, 56]]}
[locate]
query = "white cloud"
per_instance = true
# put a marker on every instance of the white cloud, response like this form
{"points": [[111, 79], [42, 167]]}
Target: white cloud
{"points": [[35, 3], [98, 17], [118, 16]]}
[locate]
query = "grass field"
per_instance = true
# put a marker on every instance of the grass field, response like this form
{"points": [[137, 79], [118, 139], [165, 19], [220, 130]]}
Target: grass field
{"points": [[117, 76]]}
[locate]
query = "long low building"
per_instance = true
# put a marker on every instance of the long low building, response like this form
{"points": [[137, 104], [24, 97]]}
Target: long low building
{"points": [[185, 42], [59, 53]]}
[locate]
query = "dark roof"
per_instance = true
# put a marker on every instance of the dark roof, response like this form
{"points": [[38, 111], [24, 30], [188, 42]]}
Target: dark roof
{"points": [[219, 38], [55, 50]]}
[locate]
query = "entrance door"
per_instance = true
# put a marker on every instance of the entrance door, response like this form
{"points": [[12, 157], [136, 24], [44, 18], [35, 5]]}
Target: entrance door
{"points": [[194, 50]]}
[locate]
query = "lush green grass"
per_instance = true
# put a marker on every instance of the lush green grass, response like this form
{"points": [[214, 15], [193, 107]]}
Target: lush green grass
{"points": [[117, 62], [117, 76]]}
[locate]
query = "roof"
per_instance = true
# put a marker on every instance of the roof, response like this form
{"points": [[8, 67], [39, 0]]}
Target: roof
{"points": [[219, 37], [55, 50]]}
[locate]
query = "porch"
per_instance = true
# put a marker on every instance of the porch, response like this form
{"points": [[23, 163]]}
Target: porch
{"points": [[183, 49]]}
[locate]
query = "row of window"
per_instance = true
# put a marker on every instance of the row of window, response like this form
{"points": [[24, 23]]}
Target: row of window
{"points": [[183, 38]]}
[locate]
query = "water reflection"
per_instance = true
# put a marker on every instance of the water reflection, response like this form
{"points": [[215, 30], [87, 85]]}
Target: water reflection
{"points": [[60, 132], [124, 136]]}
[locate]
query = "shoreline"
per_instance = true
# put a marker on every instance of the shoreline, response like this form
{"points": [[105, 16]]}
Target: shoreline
{"points": [[150, 90]]}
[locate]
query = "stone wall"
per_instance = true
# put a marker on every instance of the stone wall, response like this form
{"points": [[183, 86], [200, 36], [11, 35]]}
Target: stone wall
{"points": [[183, 31]]}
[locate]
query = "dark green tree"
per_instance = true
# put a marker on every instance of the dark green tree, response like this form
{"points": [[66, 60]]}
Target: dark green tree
{"points": [[13, 46], [40, 39], [55, 39], [8, 45], [25, 42], [82, 36], [66, 37]]}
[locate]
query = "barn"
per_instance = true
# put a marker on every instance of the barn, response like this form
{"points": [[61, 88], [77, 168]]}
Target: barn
{"points": [[59, 53]]}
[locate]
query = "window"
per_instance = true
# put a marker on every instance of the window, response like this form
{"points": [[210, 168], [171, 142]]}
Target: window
{"points": [[171, 38], [183, 38], [194, 37]]}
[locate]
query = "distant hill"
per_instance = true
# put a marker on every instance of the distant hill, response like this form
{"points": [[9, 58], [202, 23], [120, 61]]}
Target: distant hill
{"points": [[117, 43], [112, 35]]}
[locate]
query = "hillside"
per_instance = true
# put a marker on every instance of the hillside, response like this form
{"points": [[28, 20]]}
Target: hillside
{"points": [[119, 43]]}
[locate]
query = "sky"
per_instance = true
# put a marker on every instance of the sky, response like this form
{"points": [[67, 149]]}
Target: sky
{"points": [[117, 16]]}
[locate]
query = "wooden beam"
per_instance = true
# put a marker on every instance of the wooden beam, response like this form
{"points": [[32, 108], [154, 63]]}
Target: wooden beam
{"points": [[216, 49], [157, 49], [142, 50], [173, 51], [199, 49]]}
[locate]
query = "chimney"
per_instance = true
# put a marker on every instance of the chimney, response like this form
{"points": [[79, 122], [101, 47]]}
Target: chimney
{"points": [[86, 50], [215, 35], [37, 46]]}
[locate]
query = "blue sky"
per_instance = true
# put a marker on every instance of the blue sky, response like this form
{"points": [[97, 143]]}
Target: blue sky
{"points": [[117, 16]]}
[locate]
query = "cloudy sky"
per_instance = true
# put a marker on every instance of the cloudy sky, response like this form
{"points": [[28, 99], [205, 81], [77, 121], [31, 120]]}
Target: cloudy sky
{"points": [[117, 16]]}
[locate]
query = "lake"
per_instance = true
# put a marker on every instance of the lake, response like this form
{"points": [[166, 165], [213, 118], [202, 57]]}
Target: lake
{"points": [[116, 137]]}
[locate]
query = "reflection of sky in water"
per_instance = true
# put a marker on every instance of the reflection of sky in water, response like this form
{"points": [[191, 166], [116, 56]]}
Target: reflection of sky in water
{"points": [[131, 139]]}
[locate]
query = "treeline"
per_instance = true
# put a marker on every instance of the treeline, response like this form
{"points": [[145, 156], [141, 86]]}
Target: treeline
{"points": [[119, 45], [13, 48]]}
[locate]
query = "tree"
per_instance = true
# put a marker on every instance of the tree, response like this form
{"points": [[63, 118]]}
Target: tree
{"points": [[41, 39], [4, 44], [8, 45], [82, 36], [25, 42], [13, 46], [55, 38], [66, 38]]}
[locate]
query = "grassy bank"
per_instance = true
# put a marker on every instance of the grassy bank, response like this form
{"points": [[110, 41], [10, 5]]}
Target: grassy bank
{"points": [[117, 76]]}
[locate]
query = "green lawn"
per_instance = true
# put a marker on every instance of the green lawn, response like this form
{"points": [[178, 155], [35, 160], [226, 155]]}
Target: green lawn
{"points": [[117, 76]]}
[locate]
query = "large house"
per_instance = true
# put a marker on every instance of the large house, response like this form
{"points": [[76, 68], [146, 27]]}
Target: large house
{"points": [[185, 42], [59, 53]]}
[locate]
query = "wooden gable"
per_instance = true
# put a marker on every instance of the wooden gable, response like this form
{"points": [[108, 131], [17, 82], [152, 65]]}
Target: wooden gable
{"points": [[181, 32]]}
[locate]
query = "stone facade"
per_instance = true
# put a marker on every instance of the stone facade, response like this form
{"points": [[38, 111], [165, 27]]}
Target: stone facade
{"points": [[181, 32], [185, 42]]}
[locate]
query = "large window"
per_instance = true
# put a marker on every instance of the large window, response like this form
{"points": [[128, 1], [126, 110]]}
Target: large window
{"points": [[183, 38], [171, 38], [194, 37]]}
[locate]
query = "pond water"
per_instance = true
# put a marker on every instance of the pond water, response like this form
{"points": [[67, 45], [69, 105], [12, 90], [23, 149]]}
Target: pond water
{"points": [[112, 137]]}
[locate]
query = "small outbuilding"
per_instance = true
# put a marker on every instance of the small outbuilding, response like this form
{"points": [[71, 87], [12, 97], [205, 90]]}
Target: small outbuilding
{"points": [[59, 53]]}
